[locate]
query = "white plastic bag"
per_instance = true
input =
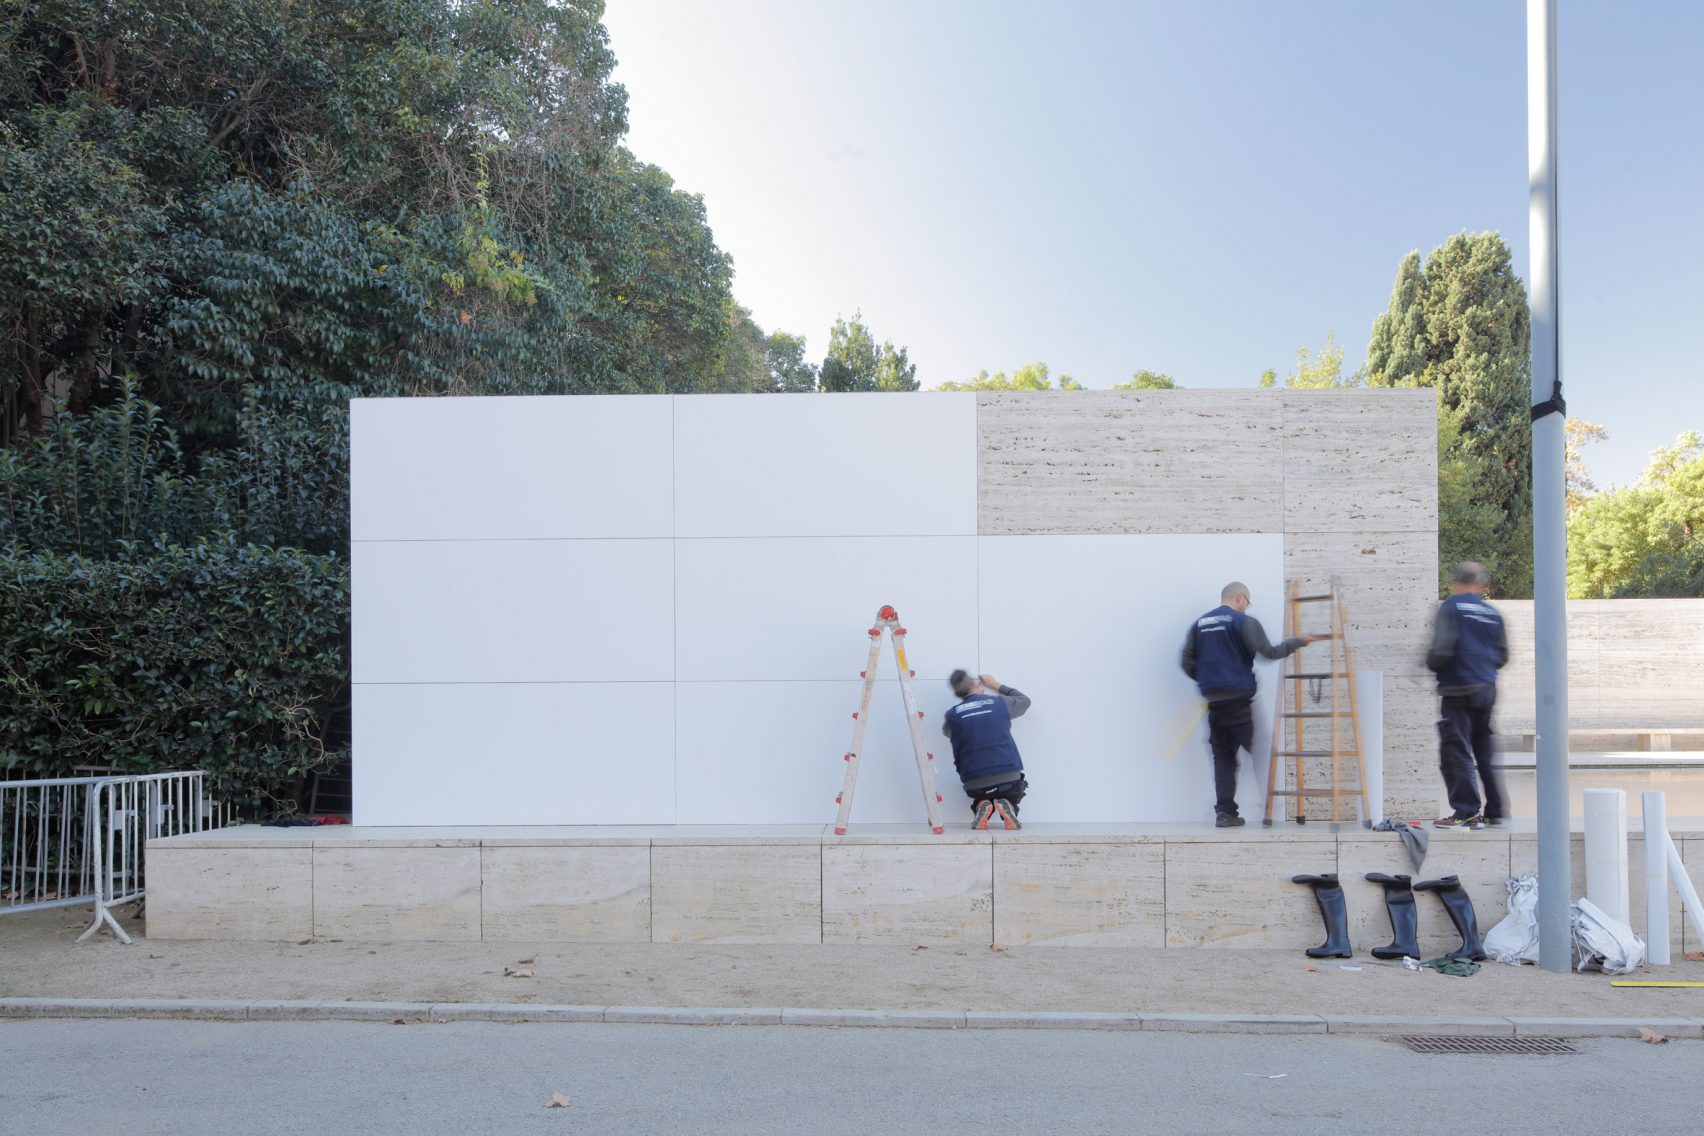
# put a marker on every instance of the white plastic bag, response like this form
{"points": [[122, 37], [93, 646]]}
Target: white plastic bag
{"points": [[1514, 939], [1603, 941]]}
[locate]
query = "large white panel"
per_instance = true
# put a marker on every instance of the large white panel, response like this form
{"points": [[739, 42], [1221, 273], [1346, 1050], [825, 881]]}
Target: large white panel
{"points": [[825, 465], [533, 753], [1091, 628], [770, 753], [463, 468], [801, 607], [513, 611]]}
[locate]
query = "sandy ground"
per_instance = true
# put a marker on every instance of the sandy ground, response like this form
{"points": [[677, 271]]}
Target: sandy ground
{"points": [[38, 958]]}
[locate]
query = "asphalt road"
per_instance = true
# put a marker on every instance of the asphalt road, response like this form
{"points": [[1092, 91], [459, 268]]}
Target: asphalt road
{"points": [[236, 1079]]}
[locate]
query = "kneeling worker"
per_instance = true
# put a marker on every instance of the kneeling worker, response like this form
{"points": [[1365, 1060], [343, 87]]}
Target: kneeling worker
{"points": [[1219, 655], [984, 753]]}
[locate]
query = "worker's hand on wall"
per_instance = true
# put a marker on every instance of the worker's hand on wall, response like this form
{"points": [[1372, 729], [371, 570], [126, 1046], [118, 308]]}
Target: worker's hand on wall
{"points": [[989, 681]]}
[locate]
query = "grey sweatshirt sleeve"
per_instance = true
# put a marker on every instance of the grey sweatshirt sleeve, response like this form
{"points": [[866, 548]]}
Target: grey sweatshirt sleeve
{"points": [[1502, 646], [1187, 662], [1444, 636], [1254, 638], [1016, 701]]}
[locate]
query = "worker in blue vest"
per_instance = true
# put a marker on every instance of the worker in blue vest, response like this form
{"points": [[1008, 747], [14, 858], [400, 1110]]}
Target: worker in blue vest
{"points": [[1469, 647], [1219, 654], [986, 757]]}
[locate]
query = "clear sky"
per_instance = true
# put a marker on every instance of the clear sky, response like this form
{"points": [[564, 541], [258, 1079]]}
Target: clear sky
{"points": [[1193, 187]]}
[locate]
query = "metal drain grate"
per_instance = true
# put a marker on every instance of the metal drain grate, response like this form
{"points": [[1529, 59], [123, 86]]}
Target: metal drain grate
{"points": [[1534, 1045]]}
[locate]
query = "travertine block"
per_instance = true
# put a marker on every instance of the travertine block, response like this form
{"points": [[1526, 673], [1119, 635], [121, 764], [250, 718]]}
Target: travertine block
{"points": [[1390, 590], [1412, 782], [1101, 895], [1481, 859], [1130, 462], [1357, 436], [736, 893], [1239, 894], [200, 892], [919, 893], [410, 893], [570, 894]]}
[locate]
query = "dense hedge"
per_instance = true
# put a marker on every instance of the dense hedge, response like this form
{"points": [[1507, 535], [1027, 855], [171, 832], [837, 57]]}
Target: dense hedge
{"points": [[224, 657]]}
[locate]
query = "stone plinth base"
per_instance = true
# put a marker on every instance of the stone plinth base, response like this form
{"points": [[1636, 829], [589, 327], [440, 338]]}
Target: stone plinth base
{"points": [[1156, 885]]}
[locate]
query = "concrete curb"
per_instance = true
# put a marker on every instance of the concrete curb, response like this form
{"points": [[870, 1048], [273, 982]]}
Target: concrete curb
{"points": [[232, 1010]]}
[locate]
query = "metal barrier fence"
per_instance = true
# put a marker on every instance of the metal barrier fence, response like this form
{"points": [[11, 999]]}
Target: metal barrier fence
{"points": [[74, 840]]}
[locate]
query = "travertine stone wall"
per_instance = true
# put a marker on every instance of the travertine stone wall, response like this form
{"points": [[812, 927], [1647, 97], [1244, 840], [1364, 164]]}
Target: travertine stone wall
{"points": [[1349, 477], [1632, 665]]}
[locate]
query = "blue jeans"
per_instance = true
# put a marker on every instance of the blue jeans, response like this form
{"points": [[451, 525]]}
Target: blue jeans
{"points": [[1467, 754]]}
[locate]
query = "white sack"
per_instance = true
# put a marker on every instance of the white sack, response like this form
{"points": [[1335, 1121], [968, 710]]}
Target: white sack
{"points": [[1603, 941], [1514, 939]]}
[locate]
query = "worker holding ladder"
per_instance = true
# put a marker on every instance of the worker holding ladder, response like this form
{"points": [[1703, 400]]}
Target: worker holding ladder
{"points": [[986, 757]]}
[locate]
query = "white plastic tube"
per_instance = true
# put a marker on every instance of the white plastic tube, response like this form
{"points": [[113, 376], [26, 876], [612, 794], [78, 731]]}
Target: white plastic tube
{"points": [[1683, 884], [1656, 878], [1369, 695], [1606, 852]]}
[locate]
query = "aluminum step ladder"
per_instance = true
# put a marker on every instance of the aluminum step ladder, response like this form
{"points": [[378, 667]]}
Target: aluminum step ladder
{"points": [[887, 625]]}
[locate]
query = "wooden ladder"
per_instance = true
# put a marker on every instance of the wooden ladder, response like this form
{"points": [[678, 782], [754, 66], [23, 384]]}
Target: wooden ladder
{"points": [[1327, 699], [887, 622]]}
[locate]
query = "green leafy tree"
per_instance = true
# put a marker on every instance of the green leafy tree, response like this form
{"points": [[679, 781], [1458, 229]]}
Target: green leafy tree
{"points": [[1315, 372], [855, 363], [784, 359], [1030, 377], [1646, 539], [1147, 381], [1458, 322]]}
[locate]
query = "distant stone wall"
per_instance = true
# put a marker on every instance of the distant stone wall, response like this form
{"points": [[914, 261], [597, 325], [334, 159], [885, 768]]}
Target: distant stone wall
{"points": [[1632, 664], [1350, 477]]}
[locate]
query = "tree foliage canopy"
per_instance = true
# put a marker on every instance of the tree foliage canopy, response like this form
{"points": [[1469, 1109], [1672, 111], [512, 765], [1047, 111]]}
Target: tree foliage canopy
{"points": [[1029, 377], [1459, 323], [1646, 539]]}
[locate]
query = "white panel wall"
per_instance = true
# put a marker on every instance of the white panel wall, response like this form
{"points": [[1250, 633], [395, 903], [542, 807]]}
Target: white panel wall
{"points": [[825, 465], [653, 610], [1091, 627]]}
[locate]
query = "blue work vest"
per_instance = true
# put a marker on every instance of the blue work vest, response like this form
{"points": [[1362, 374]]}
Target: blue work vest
{"points": [[1222, 661], [981, 730], [1479, 630]]}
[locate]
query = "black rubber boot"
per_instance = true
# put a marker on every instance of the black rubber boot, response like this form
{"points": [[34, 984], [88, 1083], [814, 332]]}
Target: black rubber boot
{"points": [[1328, 893], [1459, 904], [1404, 917]]}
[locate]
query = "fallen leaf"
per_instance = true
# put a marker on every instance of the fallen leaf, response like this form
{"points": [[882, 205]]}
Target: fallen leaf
{"points": [[397, 1022], [1695, 956], [961, 952], [995, 947], [526, 961], [557, 1100], [156, 956], [1652, 1036], [511, 972], [1312, 969], [919, 947], [304, 942]]}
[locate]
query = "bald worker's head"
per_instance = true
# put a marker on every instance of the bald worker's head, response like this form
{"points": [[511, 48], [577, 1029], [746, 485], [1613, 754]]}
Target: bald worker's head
{"points": [[1234, 595], [1469, 576]]}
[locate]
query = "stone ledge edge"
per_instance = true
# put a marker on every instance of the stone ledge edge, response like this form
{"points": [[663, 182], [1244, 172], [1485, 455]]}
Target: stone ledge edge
{"points": [[424, 1012]]}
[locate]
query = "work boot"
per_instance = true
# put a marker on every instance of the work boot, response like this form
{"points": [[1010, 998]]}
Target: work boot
{"points": [[1008, 813], [1228, 820], [1328, 893], [1404, 917], [984, 813], [1459, 904]]}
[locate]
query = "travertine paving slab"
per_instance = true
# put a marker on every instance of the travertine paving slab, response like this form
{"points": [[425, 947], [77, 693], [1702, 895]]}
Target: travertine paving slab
{"points": [[1240, 895], [245, 893], [419, 893], [736, 893], [567, 894], [1129, 462], [916, 893], [1103, 895]]}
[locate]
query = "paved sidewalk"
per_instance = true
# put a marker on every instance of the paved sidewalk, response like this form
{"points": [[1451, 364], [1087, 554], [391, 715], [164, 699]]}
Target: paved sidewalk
{"points": [[38, 959]]}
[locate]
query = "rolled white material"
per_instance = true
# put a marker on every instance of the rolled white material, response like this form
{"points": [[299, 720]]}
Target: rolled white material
{"points": [[1606, 852], [1656, 878], [1369, 697], [1683, 884]]}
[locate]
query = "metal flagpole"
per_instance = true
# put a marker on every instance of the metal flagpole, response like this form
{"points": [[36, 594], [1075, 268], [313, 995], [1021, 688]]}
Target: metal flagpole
{"points": [[1549, 548]]}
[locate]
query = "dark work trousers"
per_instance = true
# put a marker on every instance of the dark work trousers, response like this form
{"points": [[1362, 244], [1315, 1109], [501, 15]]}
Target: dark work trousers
{"points": [[1012, 791], [1230, 727], [1466, 748]]}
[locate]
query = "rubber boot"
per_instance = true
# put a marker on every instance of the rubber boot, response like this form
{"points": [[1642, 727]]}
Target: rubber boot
{"points": [[1459, 904], [1404, 917], [1328, 893]]}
